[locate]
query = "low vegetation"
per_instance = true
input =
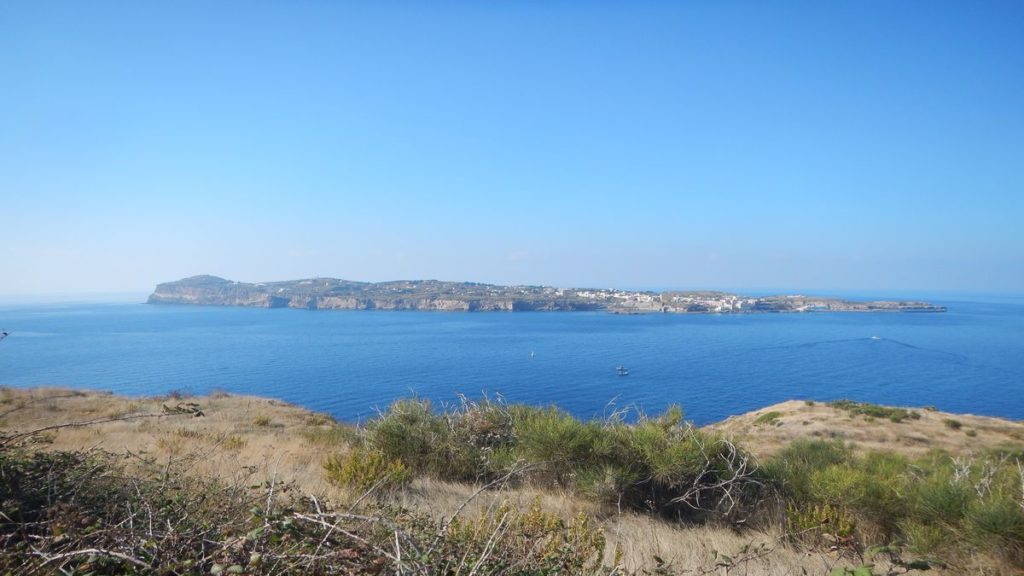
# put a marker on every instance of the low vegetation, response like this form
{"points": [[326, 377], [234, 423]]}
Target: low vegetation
{"points": [[938, 506], [770, 417], [657, 464], [184, 504], [875, 411], [89, 513]]}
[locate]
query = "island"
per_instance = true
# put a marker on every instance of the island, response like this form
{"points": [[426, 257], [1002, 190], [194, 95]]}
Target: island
{"points": [[335, 294]]}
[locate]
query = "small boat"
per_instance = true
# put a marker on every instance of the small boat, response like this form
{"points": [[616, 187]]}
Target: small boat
{"points": [[876, 337], [621, 370]]}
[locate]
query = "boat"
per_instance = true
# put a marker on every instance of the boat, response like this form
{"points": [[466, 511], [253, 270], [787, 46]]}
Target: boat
{"points": [[622, 370]]}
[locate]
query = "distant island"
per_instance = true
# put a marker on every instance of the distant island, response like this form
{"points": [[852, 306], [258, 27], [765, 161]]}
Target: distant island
{"points": [[335, 294]]}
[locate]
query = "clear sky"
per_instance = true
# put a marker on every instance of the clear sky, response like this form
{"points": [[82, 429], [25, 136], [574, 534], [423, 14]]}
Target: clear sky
{"points": [[839, 146]]}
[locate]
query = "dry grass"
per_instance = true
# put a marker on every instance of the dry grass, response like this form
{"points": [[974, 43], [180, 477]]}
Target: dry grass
{"points": [[797, 419], [238, 435]]}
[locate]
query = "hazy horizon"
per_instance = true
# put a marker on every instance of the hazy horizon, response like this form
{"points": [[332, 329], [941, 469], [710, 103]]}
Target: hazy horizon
{"points": [[140, 296], [844, 149]]}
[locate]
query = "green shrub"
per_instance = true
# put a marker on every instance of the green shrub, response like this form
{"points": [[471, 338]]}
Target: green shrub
{"points": [[790, 470], [464, 444], [659, 463], [874, 410], [818, 523], [998, 524], [926, 538], [839, 485], [366, 470], [553, 437], [952, 423], [768, 418], [938, 501], [531, 540]]}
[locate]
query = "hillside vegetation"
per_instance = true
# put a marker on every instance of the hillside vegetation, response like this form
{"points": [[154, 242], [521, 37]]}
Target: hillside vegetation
{"points": [[91, 482]]}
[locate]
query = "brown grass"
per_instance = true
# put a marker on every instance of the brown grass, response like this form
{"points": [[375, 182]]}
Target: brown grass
{"points": [[797, 419], [230, 439], [241, 434]]}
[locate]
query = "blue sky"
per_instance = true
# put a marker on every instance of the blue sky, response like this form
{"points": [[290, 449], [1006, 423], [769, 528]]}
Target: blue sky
{"points": [[742, 145]]}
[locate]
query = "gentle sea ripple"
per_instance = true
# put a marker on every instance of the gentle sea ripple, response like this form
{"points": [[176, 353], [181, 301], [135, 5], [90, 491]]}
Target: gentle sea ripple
{"points": [[970, 359]]}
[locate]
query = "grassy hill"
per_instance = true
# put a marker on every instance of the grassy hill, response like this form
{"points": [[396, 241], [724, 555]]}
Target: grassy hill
{"points": [[907, 431], [254, 485]]}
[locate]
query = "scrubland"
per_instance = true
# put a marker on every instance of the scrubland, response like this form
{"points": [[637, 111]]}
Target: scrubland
{"points": [[96, 483]]}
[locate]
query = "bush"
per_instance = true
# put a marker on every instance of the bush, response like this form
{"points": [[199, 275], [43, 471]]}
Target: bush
{"points": [[925, 538], [556, 441], [543, 543], [934, 502], [366, 470], [449, 446], [952, 423], [768, 418], [790, 470], [998, 524], [875, 411], [659, 463], [939, 502]]}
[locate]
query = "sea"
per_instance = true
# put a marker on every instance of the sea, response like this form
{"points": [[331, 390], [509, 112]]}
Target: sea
{"points": [[351, 364]]}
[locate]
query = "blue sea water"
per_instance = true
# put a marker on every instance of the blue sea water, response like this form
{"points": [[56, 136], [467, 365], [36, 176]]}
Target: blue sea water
{"points": [[969, 359]]}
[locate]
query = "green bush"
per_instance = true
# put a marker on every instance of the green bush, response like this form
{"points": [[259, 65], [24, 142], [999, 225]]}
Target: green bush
{"points": [[366, 470], [926, 538], [659, 463], [556, 441], [768, 418], [790, 470], [998, 523], [874, 410], [934, 503], [412, 433], [939, 502]]}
